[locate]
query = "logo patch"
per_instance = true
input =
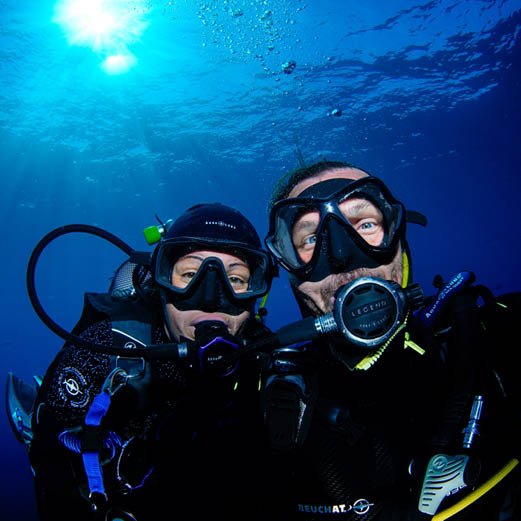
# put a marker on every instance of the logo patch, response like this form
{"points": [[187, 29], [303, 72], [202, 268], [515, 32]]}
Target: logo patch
{"points": [[73, 387], [360, 507], [221, 223]]}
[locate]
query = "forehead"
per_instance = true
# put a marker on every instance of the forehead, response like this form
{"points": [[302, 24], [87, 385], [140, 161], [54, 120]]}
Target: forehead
{"points": [[226, 258], [337, 173]]}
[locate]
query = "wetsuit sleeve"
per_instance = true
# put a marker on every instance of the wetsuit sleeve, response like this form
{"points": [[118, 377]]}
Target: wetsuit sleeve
{"points": [[71, 381]]}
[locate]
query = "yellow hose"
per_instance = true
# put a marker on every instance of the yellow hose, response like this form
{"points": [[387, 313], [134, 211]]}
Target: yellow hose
{"points": [[262, 304], [476, 494]]}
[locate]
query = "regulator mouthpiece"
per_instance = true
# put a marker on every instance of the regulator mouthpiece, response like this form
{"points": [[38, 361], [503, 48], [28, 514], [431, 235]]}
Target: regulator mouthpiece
{"points": [[369, 310], [214, 348]]}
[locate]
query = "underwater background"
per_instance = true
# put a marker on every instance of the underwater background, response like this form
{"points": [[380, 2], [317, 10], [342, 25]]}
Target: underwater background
{"points": [[113, 111]]}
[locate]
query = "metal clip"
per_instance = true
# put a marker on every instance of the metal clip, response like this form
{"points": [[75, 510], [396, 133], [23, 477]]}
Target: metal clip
{"points": [[472, 428], [111, 386], [133, 366]]}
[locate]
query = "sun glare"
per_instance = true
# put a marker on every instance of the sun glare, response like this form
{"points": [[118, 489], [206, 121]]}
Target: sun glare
{"points": [[118, 63], [108, 27]]}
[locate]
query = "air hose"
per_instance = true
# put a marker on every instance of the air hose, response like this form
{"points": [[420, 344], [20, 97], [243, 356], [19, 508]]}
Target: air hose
{"points": [[478, 492], [160, 351]]}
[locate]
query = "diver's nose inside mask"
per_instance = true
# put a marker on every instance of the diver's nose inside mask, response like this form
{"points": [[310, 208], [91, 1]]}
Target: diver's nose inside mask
{"points": [[334, 226]]}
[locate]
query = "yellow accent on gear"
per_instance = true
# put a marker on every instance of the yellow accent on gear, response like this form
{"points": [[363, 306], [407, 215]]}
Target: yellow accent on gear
{"points": [[369, 360], [262, 304], [407, 342], [476, 494], [405, 269]]}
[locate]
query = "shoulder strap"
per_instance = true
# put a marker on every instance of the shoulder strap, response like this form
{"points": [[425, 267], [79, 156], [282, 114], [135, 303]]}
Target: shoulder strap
{"points": [[131, 321]]}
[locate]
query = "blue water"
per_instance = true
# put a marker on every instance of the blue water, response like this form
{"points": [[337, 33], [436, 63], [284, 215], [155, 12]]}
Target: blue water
{"points": [[429, 100]]}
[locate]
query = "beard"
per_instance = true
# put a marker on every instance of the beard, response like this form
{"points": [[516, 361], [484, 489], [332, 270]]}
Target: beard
{"points": [[319, 297]]}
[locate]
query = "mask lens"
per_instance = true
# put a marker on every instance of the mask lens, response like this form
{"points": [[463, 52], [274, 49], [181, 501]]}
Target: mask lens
{"points": [[283, 240], [372, 215], [190, 266]]}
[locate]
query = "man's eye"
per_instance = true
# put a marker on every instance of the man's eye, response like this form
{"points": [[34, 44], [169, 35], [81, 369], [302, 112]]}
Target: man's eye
{"points": [[367, 226], [189, 275], [306, 245], [310, 240], [371, 231]]}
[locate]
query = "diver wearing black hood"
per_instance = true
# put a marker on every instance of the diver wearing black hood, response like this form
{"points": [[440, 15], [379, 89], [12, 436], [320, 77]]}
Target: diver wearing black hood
{"points": [[404, 411], [118, 435]]}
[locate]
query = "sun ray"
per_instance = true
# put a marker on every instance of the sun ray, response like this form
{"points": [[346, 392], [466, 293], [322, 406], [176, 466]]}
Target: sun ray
{"points": [[108, 27]]}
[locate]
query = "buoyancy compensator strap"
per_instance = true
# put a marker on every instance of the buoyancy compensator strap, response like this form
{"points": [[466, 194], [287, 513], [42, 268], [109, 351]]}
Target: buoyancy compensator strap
{"points": [[464, 359], [93, 441], [288, 396], [463, 323], [92, 445], [131, 321]]}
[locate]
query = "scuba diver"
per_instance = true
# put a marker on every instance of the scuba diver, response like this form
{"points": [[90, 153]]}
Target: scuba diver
{"points": [[402, 407], [133, 419]]}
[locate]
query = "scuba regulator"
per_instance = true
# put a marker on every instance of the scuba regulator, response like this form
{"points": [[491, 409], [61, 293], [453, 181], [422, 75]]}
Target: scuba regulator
{"points": [[367, 313]]}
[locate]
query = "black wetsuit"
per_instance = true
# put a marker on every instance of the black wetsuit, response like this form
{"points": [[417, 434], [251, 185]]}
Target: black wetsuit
{"points": [[183, 446], [367, 426]]}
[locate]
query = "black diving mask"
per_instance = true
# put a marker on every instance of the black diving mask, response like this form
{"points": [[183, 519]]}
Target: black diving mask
{"points": [[210, 285], [335, 226]]}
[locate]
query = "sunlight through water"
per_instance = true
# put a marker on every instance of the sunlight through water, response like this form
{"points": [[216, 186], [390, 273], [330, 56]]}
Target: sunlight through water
{"points": [[107, 27]]}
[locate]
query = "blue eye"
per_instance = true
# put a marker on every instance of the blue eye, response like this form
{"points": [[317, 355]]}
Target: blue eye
{"points": [[312, 239]]}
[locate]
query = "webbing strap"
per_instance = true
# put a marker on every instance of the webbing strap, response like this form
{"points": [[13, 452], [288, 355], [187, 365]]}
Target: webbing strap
{"points": [[92, 442]]}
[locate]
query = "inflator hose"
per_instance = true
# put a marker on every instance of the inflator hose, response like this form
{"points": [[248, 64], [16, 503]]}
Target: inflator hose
{"points": [[160, 351], [478, 492]]}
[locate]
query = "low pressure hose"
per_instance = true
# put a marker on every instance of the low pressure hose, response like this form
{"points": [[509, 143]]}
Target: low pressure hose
{"points": [[478, 492], [162, 351], [35, 255]]}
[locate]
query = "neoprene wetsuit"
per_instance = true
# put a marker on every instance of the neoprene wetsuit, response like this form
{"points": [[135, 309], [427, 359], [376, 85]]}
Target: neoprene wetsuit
{"points": [[171, 442], [363, 429]]}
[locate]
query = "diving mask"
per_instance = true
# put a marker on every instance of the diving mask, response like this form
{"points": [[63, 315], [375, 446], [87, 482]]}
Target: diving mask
{"points": [[208, 284], [335, 226]]}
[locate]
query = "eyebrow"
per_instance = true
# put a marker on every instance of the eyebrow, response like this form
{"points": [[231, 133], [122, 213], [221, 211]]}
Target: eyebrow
{"points": [[202, 259], [241, 263], [304, 226], [363, 204], [352, 211]]}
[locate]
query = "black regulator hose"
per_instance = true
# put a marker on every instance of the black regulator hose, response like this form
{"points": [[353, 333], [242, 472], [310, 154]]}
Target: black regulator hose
{"points": [[159, 351]]}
